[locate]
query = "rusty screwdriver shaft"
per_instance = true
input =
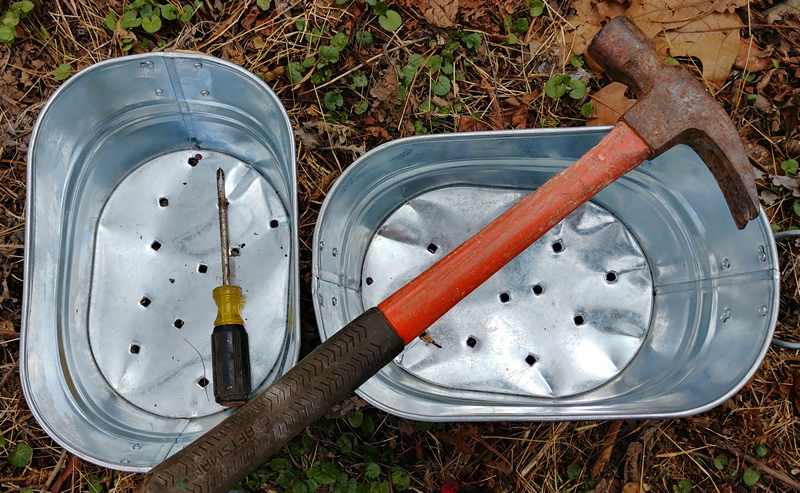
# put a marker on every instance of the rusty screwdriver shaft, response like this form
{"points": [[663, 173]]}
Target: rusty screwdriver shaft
{"points": [[223, 228]]}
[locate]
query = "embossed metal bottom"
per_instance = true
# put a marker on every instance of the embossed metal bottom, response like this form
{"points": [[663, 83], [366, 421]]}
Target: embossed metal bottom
{"points": [[566, 315]]}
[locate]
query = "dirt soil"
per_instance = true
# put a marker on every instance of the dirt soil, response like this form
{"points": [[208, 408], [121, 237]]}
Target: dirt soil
{"points": [[416, 67]]}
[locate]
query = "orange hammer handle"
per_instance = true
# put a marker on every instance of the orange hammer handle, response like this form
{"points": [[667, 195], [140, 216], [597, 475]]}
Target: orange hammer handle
{"points": [[420, 303]]}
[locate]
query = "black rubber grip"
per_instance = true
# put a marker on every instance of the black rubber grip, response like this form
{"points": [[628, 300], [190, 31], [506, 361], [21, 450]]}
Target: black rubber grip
{"points": [[216, 461], [230, 362]]}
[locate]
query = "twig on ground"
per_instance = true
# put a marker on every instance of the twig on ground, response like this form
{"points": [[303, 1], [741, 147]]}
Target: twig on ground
{"points": [[608, 446]]}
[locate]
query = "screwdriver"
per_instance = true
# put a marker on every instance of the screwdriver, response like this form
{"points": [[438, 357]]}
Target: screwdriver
{"points": [[230, 351]]}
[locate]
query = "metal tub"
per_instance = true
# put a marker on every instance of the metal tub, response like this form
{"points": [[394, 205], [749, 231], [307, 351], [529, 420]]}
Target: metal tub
{"points": [[122, 250], [647, 302]]}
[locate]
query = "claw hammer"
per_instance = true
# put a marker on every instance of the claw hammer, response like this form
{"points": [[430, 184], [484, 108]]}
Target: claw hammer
{"points": [[672, 108]]}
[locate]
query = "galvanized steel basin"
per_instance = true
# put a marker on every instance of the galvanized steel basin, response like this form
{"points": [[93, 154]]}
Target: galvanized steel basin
{"points": [[122, 250], [654, 304]]}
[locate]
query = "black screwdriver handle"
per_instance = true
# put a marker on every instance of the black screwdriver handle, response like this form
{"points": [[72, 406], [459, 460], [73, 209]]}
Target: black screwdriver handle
{"points": [[230, 361], [216, 461]]}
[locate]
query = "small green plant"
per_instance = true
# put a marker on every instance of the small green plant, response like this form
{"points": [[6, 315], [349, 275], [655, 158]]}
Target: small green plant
{"points": [[364, 39], [575, 471], [587, 110], [391, 21], [751, 476], [720, 462], [148, 15], [683, 486], [789, 167], [672, 61], [62, 72], [263, 4], [761, 450], [796, 207], [519, 26], [361, 107], [372, 470], [576, 61], [333, 100], [536, 6], [472, 40], [21, 456], [559, 85], [16, 12]]}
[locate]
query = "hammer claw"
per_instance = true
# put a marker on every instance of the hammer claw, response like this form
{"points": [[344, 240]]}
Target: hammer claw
{"points": [[674, 108]]}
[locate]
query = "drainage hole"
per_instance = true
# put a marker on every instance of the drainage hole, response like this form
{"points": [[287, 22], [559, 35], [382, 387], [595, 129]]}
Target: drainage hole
{"points": [[558, 247], [505, 297], [611, 276], [471, 341], [178, 323], [538, 289], [202, 268], [163, 201], [234, 252], [273, 224], [432, 247], [579, 320], [369, 281], [145, 301], [156, 245], [203, 382], [530, 359], [192, 161], [134, 349]]}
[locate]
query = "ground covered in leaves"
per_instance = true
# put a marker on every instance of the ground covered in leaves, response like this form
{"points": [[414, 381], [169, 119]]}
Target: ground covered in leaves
{"points": [[354, 74]]}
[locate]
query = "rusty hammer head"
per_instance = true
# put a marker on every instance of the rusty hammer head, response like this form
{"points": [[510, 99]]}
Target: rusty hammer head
{"points": [[674, 108]]}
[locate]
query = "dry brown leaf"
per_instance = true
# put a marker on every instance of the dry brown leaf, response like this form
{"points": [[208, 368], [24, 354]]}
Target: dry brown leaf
{"points": [[706, 30], [386, 89], [714, 39], [631, 488], [441, 13], [610, 104], [751, 57], [469, 124]]}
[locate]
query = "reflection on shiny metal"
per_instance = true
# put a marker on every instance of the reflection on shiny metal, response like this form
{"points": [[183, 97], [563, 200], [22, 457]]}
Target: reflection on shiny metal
{"points": [[122, 249], [523, 316], [689, 360]]}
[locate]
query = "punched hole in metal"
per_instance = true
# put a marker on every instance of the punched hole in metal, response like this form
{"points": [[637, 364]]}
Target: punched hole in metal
{"points": [[611, 276], [235, 252], [192, 161], [163, 201], [538, 289], [156, 245], [558, 247], [134, 349], [202, 268], [530, 359], [178, 323], [145, 301], [579, 320], [369, 281], [471, 341], [432, 247], [203, 382], [274, 223], [505, 297]]}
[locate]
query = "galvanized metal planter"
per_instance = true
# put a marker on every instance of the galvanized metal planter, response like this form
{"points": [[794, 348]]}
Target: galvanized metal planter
{"points": [[646, 302], [122, 250]]}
